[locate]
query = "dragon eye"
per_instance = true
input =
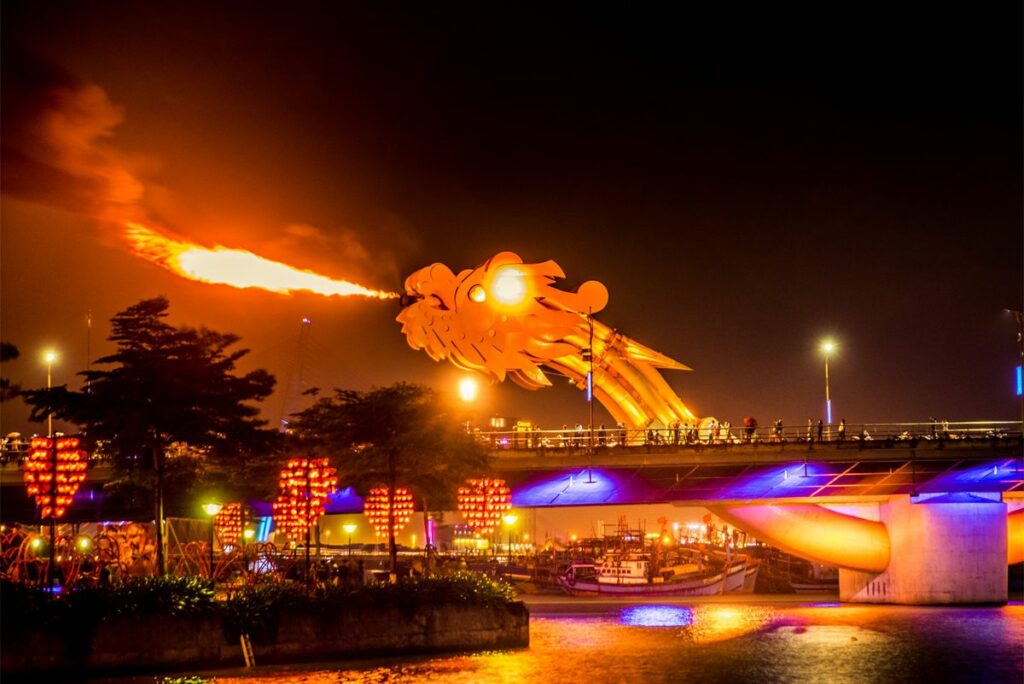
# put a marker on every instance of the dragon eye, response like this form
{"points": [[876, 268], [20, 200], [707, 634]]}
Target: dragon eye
{"points": [[477, 294]]}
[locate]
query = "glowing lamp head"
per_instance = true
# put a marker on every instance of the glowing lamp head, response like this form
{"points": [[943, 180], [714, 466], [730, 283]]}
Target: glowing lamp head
{"points": [[349, 527], [468, 389], [249, 534], [36, 543], [510, 519], [509, 286], [49, 356], [827, 347], [84, 543], [212, 508]]}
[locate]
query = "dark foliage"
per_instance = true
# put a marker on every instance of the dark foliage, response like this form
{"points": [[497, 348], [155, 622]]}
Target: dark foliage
{"points": [[255, 610], [395, 436], [170, 407], [8, 352]]}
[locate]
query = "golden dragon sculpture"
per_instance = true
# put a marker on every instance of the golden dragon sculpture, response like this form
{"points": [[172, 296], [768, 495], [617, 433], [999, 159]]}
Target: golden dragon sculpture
{"points": [[506, 318]]}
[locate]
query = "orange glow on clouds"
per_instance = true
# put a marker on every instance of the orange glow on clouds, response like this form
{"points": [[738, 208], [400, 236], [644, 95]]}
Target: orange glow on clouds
{"points": [[236, 267]]}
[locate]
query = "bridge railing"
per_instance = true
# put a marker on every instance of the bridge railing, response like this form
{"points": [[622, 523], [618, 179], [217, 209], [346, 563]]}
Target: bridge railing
{"points": [[725, 434], [722, 434]]}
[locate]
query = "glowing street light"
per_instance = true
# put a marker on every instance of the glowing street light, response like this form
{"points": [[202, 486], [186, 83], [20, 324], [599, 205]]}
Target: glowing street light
{"points": [[827, 347], [212, 509], [510, 520], [349, 529], [468, 389]]}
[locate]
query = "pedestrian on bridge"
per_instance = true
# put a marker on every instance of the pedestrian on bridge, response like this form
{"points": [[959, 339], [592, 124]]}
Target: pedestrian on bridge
{"points": [[821, 427], [841, 430]]}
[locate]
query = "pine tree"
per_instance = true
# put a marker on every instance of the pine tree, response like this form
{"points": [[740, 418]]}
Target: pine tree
{"points": [[167, 390]]}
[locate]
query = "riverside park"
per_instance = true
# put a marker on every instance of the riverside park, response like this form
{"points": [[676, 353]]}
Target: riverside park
{"points": [[405, 344]]}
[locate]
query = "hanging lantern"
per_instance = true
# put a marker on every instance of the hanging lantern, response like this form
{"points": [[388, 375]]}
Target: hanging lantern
{"points": [[228, 524], [482, 502], [305, 484], [377, 509], [54, 485]]}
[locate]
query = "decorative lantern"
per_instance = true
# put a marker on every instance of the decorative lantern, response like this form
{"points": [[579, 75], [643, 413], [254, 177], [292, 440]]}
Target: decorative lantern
{"points": [[305, 485], [228, 524], [482, 502], [377, 509], [54, 481]]}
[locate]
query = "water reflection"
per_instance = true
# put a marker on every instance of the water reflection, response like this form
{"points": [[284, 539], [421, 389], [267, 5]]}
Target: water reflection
{"points": [[719, 643], [656, 616]]}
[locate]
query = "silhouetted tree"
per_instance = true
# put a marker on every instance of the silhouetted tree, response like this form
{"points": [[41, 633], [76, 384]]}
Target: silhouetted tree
{"points": [[171, 394], [8, 352], [395, 436]]}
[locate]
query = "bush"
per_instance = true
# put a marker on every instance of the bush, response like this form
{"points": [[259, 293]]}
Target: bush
{"points": [[255, 610], [147, 596]]}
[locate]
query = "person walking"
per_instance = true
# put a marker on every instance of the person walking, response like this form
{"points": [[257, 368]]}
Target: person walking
{"points": [[821, 427], [810, 430], [841, 430]]}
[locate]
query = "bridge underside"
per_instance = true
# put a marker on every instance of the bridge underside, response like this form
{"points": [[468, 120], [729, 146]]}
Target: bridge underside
{"points": [[920, 531], [717, 484]]}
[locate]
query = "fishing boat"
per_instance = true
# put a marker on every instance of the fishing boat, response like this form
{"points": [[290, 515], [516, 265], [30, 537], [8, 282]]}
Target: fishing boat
{"points": [[633, 574]]}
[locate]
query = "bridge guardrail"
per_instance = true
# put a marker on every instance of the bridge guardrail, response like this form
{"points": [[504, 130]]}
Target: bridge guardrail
{"points": [[696, 436], [724, 435]]}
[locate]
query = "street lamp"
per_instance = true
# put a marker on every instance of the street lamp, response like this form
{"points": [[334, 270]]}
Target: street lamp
{"points": [[212, 509], [510, 520], [827, 347], [468, 389], [49, 356], [349, 529]]}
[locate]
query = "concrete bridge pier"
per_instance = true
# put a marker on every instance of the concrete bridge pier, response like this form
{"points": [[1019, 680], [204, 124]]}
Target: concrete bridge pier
{"points": [[948, 549]]}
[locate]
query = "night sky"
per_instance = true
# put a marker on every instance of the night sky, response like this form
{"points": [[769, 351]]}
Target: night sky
{"points": [[745, 185]]}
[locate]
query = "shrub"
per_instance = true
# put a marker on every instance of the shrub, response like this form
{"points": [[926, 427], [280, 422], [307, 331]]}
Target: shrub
{"points": [[146, 596]]}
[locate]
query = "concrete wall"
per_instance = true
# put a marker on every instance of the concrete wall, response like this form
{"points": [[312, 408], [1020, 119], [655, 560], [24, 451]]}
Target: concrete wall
{"points": [[945, 551], [154, 644]]}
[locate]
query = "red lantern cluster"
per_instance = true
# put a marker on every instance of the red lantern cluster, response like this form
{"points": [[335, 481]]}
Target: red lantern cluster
{"points": [[228, 523], [54, 489], [377, 509], [482, 503], [305, 484]]}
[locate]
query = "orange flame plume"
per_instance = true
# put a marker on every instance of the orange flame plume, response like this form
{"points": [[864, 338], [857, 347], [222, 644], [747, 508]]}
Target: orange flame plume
{"points": [[236, 267]]}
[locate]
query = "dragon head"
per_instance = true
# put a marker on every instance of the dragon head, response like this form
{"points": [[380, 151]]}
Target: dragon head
{"points": [[503, 318]]}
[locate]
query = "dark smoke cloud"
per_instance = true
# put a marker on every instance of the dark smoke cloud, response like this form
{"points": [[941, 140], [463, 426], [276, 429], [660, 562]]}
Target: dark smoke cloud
{"points": [[55, 141], [57, 150]]}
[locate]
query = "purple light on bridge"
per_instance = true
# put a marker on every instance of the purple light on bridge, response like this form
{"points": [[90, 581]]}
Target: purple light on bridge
{"points": [[792, 479], [583, 488], [992, 476]]}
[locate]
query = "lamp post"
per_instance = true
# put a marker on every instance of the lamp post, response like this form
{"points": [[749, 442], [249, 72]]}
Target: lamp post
{"points": [[247, 535], [349, 529], [827, 347], [510, 520], [212, 509], [50, 356], [468, 390]]}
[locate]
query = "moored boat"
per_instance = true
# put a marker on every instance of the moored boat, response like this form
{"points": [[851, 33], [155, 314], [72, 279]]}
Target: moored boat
{"points": [[631, 576]]}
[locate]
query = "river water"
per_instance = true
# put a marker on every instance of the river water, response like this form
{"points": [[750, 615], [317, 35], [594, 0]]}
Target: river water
{"points": [[592, 643]]}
